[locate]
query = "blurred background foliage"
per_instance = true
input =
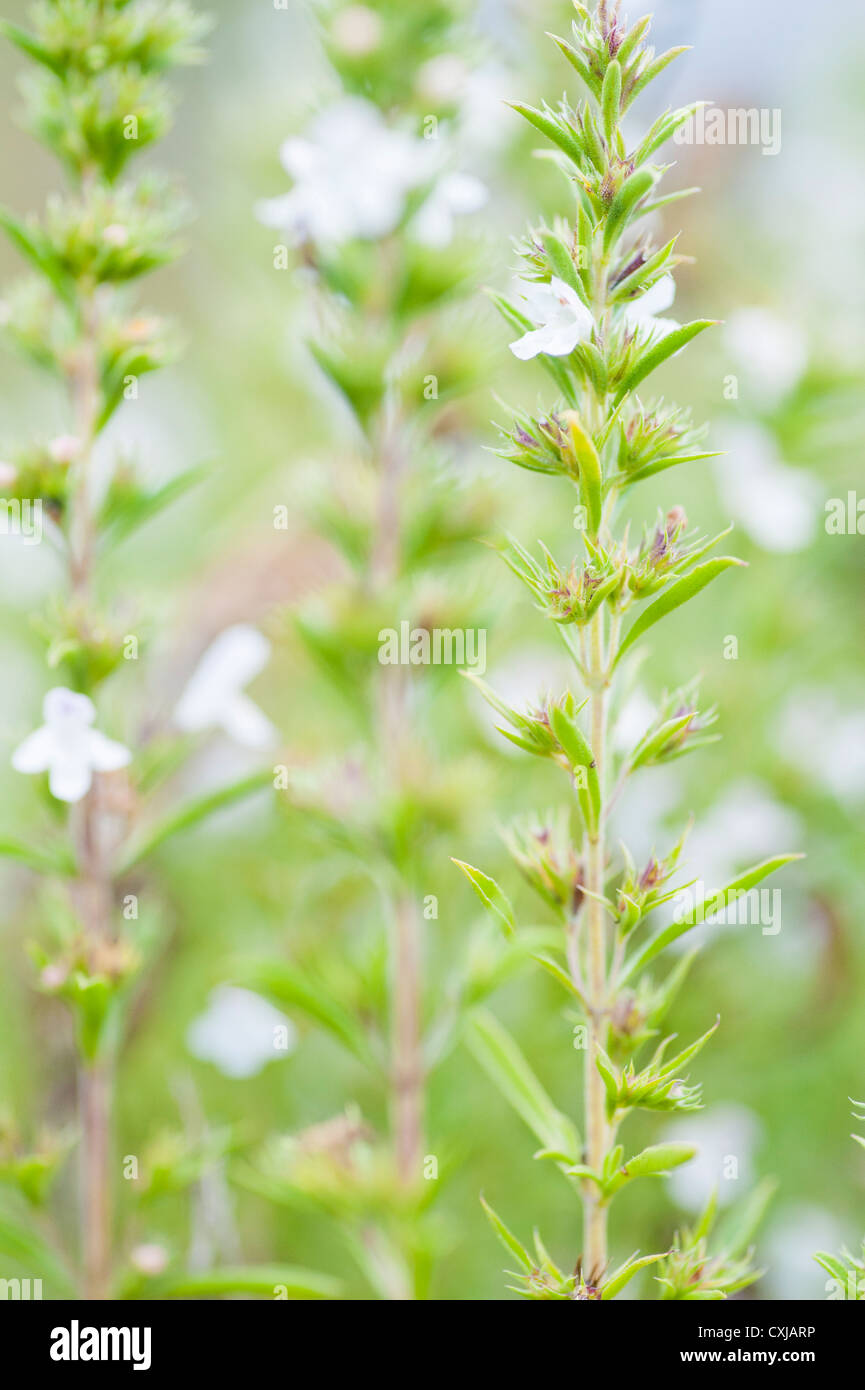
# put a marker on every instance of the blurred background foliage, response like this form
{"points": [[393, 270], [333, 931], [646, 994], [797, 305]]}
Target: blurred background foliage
{"points": [[779, 234]]}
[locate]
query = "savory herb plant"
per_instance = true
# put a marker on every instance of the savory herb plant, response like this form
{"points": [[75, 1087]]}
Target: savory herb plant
{"points": [[594, 287]]}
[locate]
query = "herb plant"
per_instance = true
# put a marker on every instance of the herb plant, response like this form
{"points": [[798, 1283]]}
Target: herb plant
{"points": [[376, 218], [97, 98], [593, 292]]}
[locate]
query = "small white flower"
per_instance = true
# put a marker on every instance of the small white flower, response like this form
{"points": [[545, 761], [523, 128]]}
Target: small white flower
{"points": [[238, 1032], [773, 353], [67, 747], [562, 317], [65, 448], [726, 1137], [452, 196], [357, 30], [777, 505], [214, 697], [351, 175], [645, 312]]}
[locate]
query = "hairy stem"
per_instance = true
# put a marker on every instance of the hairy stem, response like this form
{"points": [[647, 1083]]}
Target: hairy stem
{"points": [[407, 1068], [595, 1216], [92, 888], [94, 1098]]}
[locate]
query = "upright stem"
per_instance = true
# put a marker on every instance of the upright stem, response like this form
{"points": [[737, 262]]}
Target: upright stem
{"points": [[407, 1053], [94, 1101], [407, 1069], [597, 1130], [92, 888], [597, 1136]]}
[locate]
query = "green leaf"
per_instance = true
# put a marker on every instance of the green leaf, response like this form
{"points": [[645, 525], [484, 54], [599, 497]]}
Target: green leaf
{"points": [[552, 129], [36, 248], [653, 70], [491, 895], [45, 860], [562, 263], [579, 754], [564, 979], [577, 63], [193, 813], [124, 519], [739, 1227], [671, 343], [611, 97], [714, 903], [635, 188], [680, 591], [270, 1281], [625, 1273], [654, 1161], [30, 45], [507, 1238], [497, 1052], [35, 1256], [589, 466], [288, 985], [632, 38]]}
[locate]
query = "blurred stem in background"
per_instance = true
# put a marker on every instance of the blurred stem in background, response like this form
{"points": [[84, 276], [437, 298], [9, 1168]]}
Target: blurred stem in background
{"points": [[374, 212], [98, 98]]}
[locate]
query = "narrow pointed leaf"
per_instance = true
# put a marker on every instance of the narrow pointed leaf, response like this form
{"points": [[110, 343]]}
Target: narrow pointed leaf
{"points": [[714, 903], [494, 900], [677, 593], [497, 1052]]}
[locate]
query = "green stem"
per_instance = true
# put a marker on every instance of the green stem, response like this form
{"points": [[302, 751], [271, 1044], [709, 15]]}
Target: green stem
{"points": [[597, 1136]]}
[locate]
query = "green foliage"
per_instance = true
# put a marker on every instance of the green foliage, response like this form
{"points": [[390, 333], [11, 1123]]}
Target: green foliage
{"points": [[586, 278]]}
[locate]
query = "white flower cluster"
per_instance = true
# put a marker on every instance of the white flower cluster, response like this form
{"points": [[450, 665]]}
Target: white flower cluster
{"points": [[352, 177]]}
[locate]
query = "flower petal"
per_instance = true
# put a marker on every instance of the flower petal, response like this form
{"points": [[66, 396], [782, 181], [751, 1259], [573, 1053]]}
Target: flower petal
{"points": [[531, 344], [104, 754], [70, 777], [236, 656], [243, 721], [36, 752], [62, 706]]}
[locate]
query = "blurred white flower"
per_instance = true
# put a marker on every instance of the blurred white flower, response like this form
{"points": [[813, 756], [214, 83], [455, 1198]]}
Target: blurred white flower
{"points": [[562, 317], [772, 352], [726, 1137], [214, 697], [835, 739], [351, 175], [788, 1251], [357, 30], [777, 505], [67, 747], [150, 1259], [745, 825], [520, 681], [633, 721], [443, 78], [239, 1032], [452, 196], [645, 312]]}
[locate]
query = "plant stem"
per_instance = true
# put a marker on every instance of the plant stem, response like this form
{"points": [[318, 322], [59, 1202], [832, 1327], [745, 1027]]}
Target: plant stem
{"points": [[92, 889], [595, 1216], [94, 1085], [407, 1053], [407, 1066]]}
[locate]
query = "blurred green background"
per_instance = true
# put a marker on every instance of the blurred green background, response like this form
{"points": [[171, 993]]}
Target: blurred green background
{"points": [[777, 234]]}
